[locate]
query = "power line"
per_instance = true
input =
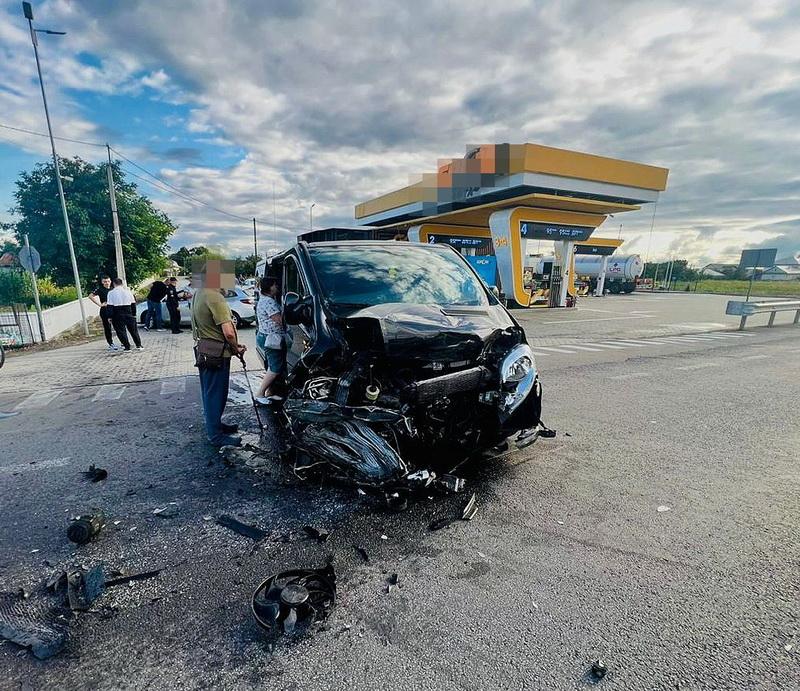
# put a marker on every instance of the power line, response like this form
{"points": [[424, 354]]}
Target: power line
{"points": [[178, 190], [43, 134], [165, 186]]}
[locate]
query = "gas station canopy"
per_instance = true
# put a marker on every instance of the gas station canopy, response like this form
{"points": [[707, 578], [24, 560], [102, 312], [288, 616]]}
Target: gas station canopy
{"points": [[499, 196]]}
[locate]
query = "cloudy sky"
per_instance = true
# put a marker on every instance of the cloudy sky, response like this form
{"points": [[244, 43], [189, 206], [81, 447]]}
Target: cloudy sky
{"points": [[333, 103]]}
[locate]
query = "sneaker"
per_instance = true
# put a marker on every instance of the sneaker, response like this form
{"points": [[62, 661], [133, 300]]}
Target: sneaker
{"points": [[159, 329], [146, 328], [127, 350], [228, 429], [227, 440], [275, 398], [261, 400], [112, 347], [139, 347]]}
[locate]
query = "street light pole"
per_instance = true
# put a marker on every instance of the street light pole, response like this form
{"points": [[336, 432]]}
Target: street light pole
{"points": [[115, 218], [311, 216], [28, 12], [255, 241]]}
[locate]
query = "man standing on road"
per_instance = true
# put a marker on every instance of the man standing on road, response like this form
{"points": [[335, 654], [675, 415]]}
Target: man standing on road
{"points": [[216, 341], [158, 291], [173, 305], [123, 304], [99, 296]]}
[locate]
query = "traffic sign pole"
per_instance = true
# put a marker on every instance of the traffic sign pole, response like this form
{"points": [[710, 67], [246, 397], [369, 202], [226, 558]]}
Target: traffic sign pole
{"points": [[31, 264]]}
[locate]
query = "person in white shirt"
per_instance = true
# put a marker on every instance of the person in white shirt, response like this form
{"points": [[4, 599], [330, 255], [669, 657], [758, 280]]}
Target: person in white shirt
{"points": [[123, 316]]}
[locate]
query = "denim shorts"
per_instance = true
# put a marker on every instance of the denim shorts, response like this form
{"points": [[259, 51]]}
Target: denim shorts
{"points": [[276, 360]]}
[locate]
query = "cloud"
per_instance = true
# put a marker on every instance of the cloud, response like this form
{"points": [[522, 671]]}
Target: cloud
{"points": [[338, 102]]}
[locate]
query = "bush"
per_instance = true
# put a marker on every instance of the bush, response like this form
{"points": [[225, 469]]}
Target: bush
{"points": [[16, 287]]}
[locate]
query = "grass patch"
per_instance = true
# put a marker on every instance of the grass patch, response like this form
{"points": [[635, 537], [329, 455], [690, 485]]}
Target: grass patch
{"points": [[788, 289]]}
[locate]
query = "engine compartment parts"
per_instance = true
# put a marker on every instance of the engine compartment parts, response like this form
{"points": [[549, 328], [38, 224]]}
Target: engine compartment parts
{"points": [[291, 602], [84, 528]]}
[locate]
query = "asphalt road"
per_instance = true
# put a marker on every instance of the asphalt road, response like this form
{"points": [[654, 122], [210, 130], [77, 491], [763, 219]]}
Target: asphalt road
{"points": [[657, 531]]}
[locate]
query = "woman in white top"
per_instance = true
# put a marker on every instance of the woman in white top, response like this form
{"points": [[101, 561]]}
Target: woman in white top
{"points": [[270, 336]]}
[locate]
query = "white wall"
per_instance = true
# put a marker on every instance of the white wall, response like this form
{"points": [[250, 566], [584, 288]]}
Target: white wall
{"points": [[59, 319]]}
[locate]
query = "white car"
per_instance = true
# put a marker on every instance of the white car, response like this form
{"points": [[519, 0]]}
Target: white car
{"points": [[240, 300]]}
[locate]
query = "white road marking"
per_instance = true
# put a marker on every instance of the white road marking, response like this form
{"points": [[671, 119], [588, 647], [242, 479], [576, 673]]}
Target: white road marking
{"points": [[36, 465], [549, 349], [37, 400], [109, 392], [755, 357], [169, 386], [632, 344], [701, 365], [598, 319], [583, 347], [609, 346], [631, 375]]}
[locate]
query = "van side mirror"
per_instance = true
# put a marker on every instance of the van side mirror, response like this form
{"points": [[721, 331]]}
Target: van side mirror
{"points": [[297, 310], [495, 291]]}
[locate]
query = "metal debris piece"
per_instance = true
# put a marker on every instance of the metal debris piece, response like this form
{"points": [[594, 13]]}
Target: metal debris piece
{"points": [[143, 575], [168, 511], [251, 531], [23, 594], [663, 508], [84, 587], [391, 582], [290, 602], [599, 669], [396, 501], [362, 553], [32, 624], [84, 528], [95, 474], [470, 509], [315, 534], [56, 581], [440, 523], [450, 483]]}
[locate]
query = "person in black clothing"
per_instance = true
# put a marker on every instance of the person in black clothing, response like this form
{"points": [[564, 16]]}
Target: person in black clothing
{"points": [[99, 296], [172, 305], [158, 291]]}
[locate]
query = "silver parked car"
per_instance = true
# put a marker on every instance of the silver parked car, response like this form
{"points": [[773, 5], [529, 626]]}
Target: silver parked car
{"points": [[240, 300]]}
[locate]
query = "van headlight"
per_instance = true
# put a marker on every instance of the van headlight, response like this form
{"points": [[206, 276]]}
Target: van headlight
{"points": [[517, 377]]}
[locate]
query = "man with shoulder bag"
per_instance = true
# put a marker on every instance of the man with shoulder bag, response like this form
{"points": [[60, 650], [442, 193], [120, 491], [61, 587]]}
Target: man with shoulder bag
{"points": [[216, 341]]}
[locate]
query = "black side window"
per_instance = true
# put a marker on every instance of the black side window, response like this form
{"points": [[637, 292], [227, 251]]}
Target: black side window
{"points": [[292, 280]]}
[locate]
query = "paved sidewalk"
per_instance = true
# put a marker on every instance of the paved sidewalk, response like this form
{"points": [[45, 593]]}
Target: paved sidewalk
{"points": [[90, 364]]}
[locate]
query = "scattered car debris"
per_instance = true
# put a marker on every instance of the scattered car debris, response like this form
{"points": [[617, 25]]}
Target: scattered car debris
{"points": [[663, 508], [84, 587], [251, 531], [362, 553], [290, 602], [85, 528], [391, 582], [23, 594], [395, 501], [599, 669], [129, 578], [470, 509], [95, 474], [168, 511], [5, 414], [32, 624], [384, 537], [315, 534], [440, 523]]}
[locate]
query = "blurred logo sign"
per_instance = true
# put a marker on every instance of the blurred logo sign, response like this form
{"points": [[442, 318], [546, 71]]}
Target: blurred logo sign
{"points": [[30, 259]]}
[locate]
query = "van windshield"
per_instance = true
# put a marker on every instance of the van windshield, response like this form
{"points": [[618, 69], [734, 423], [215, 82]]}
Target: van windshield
{"points": [[363, 275]]}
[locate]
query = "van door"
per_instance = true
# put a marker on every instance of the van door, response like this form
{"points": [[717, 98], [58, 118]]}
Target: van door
{"points": [[302, 335]]}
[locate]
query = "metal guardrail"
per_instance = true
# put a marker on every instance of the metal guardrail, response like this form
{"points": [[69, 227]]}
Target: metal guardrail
{"points": [[748, 309]]}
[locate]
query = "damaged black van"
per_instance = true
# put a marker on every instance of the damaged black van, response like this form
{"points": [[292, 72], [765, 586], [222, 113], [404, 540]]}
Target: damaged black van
{"points": [[400, 358]]}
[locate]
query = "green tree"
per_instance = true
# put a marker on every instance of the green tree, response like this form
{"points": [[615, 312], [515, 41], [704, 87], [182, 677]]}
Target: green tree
{"points": [[186, 255], [144, 229], [246, 266]]}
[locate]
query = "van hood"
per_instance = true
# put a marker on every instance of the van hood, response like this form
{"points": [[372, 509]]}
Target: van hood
{"points": [[429, 332]]}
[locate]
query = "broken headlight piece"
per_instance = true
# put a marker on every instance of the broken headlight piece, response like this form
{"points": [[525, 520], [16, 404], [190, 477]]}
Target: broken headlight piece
{"points": [[517, 376]]}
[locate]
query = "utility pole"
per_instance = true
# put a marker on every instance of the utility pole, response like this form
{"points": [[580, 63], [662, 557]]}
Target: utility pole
{"points": [[255, 241], [38, 304], [115, 218], [28, 12]]}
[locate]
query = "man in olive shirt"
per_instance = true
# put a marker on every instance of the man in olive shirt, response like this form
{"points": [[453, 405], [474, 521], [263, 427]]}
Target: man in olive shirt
{"points": [[212, 320]]}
